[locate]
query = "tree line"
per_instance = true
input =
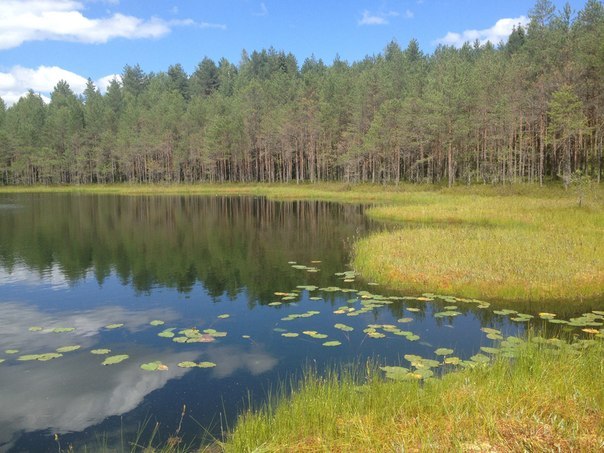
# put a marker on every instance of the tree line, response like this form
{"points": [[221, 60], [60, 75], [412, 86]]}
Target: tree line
{"points": [[530, 109]]}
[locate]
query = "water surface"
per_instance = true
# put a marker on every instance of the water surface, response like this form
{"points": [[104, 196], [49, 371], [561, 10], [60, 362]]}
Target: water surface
{"points": [[87, 262]]}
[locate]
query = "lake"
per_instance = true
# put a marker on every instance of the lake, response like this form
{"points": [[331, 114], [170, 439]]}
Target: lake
{"points": [[254, 290]]}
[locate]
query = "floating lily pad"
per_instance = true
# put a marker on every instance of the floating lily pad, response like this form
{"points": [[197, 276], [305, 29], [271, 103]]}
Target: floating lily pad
{"points": [[100, 351], [41, 357], [505, 312], [206, 364], [490, 330], [179, 339], [480, 358], [275, 304], [114, 359], [2, 360], [187, 364], [63, 329], [35, 329], [68, 348], [404, 320], [332, 343], [452, 360], [315, 298], [290, 334], [443, 351], [114, 326], [413, 309], [545, 315], [154, 366], [247, 337], [157, 322], [490, 350], [494, 336], [446, 314], [224, 316], [168, 333], [397, 373], [15, 351], [343, 327]]}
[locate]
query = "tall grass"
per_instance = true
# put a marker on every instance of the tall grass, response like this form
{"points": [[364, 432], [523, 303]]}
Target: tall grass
{"points": [[549, 398]]}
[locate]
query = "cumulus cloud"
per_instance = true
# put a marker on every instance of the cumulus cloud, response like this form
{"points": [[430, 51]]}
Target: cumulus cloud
{"points": [[380, 18], [495, 34], [17, 81], [64, 20]]}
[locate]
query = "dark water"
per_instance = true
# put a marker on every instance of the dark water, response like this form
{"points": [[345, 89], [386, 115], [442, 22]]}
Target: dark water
{"points": [[86, 262]]}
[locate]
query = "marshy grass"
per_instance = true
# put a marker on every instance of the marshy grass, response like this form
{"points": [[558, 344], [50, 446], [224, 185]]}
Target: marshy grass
{"points": [[523, 247], [549, 398]]}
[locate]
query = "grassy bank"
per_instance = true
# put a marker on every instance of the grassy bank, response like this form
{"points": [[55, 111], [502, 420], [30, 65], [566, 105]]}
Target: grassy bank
{"points": [[548, 399], [523, 247]]}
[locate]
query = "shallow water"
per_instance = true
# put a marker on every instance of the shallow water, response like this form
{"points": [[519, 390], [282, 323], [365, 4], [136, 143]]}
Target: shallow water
{"points": [[87, 262]]}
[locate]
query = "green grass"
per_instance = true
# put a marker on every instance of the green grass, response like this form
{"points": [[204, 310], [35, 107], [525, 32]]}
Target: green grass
{"points": [[550, 398]]}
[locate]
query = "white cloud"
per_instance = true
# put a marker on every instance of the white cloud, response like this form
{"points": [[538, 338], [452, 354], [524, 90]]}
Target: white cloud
{"points": [[409, 14], [63, 20], [495, 34], [16, 82], [380, 18]]}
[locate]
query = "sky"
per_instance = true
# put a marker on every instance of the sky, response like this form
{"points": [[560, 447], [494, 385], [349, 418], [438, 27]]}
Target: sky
{"points": [[44, 41]]}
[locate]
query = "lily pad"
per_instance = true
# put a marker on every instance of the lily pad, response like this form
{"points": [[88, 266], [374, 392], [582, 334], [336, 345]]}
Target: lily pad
{"points": [[63, 329], [100, 351], [332, 343], [35, 329], [224, 316], [154, 366], [480, 358], [275, 304], [343, 327], [206, 364], [443, 351], [168, 333], [157, 322], [452, 360], [413, 309], [41, 357], [2, 360], [187, 364], [114, 326], [15, 351], [290, 334], [404, 320], [490, 350], [68, 348], [114, 359]]}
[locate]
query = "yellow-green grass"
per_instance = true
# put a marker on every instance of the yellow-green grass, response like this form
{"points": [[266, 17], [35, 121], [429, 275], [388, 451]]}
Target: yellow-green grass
{"points": [[523, 247], [548, 399]]}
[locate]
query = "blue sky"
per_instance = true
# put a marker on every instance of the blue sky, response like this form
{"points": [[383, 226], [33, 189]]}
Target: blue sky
{"points": [[43, 41]]}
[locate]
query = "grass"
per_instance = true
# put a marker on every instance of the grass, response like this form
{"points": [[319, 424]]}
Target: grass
{"points": [[547, 399], [519, 248]]}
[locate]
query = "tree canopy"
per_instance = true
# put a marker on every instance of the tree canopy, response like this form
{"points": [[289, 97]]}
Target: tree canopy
{"points": [[529, 109]]}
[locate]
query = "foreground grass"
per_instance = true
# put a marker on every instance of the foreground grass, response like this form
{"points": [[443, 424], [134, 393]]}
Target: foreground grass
{"points": [[548, 399]]}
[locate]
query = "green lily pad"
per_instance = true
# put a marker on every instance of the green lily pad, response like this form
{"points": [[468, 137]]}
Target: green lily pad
{"points": [[446, 314], [343, 327], [100, 351], [247, 337], [2, 360], [179, 339], [315, 298], [154, 366], [168, 333], [206, 364], [480, 358], [41, 357], [63, 329], [332, 343], [35, 329], [114, 359], [275, 304], [290, 334], [490, 330], [443, 351], [490, 350], [494, 336], [404, 320], [68, 348], [187, 364], [114, 326], [157, 322], [452, 360], [12, 351], [224, 316], [413, 310]]}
